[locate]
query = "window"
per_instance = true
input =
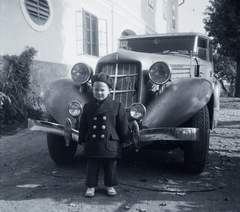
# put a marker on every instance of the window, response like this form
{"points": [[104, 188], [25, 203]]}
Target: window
{"points": [[202, 49], [91, 34], [38, 13], [210, 52], [159, 45], [173, 16]]}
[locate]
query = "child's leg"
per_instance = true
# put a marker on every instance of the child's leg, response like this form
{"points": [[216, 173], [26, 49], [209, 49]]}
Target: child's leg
{"points": [[110, 172], [93, 166]]}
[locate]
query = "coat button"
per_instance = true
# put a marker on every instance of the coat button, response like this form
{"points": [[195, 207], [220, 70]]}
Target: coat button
{"points": [[102, 136], [103, 127], [94, 126], [104, 118], [94, 136], [94, 118]]}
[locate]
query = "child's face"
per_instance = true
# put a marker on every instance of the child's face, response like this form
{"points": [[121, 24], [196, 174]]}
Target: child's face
{"points": [[100, 90]]}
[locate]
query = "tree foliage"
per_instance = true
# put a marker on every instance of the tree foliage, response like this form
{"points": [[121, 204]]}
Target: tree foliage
{"points": [[225, 71], [222, 24], [15, 87]]}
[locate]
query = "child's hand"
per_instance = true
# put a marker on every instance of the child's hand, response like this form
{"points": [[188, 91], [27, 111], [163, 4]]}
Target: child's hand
{"points": [[125, 145]]}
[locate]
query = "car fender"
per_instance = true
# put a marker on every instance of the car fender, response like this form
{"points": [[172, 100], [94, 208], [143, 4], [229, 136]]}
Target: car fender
{"points": [[60, 93], [178, 102]]}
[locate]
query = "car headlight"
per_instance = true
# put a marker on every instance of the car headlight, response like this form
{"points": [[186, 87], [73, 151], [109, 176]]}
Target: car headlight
{"points": [[75, 108], [81, 73], [137, 111], [159, 73]]}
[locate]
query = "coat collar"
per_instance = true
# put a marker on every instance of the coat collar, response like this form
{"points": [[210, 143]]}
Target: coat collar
{"points": [[105, 106]]}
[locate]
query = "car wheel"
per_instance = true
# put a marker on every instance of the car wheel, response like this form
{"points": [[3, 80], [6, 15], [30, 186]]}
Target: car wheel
{"points": [[59, 152], [196, 152]]}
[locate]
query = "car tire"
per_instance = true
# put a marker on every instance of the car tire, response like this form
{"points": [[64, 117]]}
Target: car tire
{"points": [[59, 152], [196, 152]]}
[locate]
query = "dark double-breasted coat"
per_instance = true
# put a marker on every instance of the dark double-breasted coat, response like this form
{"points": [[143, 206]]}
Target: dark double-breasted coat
{"points": [[103, 128]]}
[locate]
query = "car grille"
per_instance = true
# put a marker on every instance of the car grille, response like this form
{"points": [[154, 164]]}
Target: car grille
{"points": [[178, 73], [126, 77]]}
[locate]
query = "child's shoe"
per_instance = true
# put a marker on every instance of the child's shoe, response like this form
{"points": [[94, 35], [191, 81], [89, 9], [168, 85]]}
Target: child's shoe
{"points": [[90, 192], [111, 191]]}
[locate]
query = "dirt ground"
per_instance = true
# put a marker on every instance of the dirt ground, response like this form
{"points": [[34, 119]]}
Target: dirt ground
{"points": [[151, 181]]}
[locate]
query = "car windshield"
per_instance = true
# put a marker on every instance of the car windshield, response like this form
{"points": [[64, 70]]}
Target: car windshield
{"points": [[160, 45]]}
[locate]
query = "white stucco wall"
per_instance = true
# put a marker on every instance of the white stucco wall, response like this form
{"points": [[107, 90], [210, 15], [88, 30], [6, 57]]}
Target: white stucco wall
{"points": [[16, 33], [57, 44]]}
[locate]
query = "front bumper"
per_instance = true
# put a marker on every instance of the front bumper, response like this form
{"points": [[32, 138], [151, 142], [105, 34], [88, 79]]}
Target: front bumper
{"points": [[58, 129], [169, 134], [139, 136]]}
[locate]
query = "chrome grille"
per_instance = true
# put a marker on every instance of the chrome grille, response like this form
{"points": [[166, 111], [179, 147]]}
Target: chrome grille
{"points": [[178, 73], [126, 77]]}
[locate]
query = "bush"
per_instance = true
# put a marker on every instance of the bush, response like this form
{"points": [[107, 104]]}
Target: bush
{"points": [[15, 85]]}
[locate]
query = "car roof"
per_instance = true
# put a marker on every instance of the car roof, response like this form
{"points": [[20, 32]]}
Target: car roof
{"points": [[164, 35]]}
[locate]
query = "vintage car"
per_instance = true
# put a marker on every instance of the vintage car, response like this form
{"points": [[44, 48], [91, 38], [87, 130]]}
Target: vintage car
{"points": [[165, 81]]}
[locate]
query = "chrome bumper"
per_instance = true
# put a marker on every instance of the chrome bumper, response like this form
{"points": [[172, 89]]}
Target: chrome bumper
{"points": [[144, 135], [165, 134], [49, 127]]}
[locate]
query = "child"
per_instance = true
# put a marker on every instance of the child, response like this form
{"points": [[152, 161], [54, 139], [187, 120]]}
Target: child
{"points": [[103, 129]]}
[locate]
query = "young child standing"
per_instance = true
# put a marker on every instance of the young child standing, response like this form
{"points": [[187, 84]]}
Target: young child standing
{"points": [[103, 129]]}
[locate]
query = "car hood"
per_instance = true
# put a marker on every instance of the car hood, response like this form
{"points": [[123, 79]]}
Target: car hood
{"points": [[146, 59]]}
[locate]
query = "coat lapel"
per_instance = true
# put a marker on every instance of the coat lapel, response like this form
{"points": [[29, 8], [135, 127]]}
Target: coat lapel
{"points": [[97, 108]]}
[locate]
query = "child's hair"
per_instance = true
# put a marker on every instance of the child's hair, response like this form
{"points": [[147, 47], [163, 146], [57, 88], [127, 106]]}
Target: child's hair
{"points": [[103, 77]]}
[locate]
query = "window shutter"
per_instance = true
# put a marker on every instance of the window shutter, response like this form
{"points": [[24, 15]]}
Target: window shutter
{"points": [[79, 32], [102, 27], [94, 36], [86, 33]]}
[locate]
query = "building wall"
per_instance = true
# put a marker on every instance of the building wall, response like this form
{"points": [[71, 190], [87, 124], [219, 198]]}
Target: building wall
{"points": [[57, 45], [16, 33]]}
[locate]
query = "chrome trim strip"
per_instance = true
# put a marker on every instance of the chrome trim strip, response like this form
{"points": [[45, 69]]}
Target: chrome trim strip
{"points": [[122, 91], [124, 75]]}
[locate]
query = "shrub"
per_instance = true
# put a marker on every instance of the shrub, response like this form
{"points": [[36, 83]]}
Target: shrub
{"points": [[15, 85]]}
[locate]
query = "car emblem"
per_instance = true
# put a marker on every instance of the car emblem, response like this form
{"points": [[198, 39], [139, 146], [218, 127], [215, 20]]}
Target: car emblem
{"points": [[129, 82]]}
